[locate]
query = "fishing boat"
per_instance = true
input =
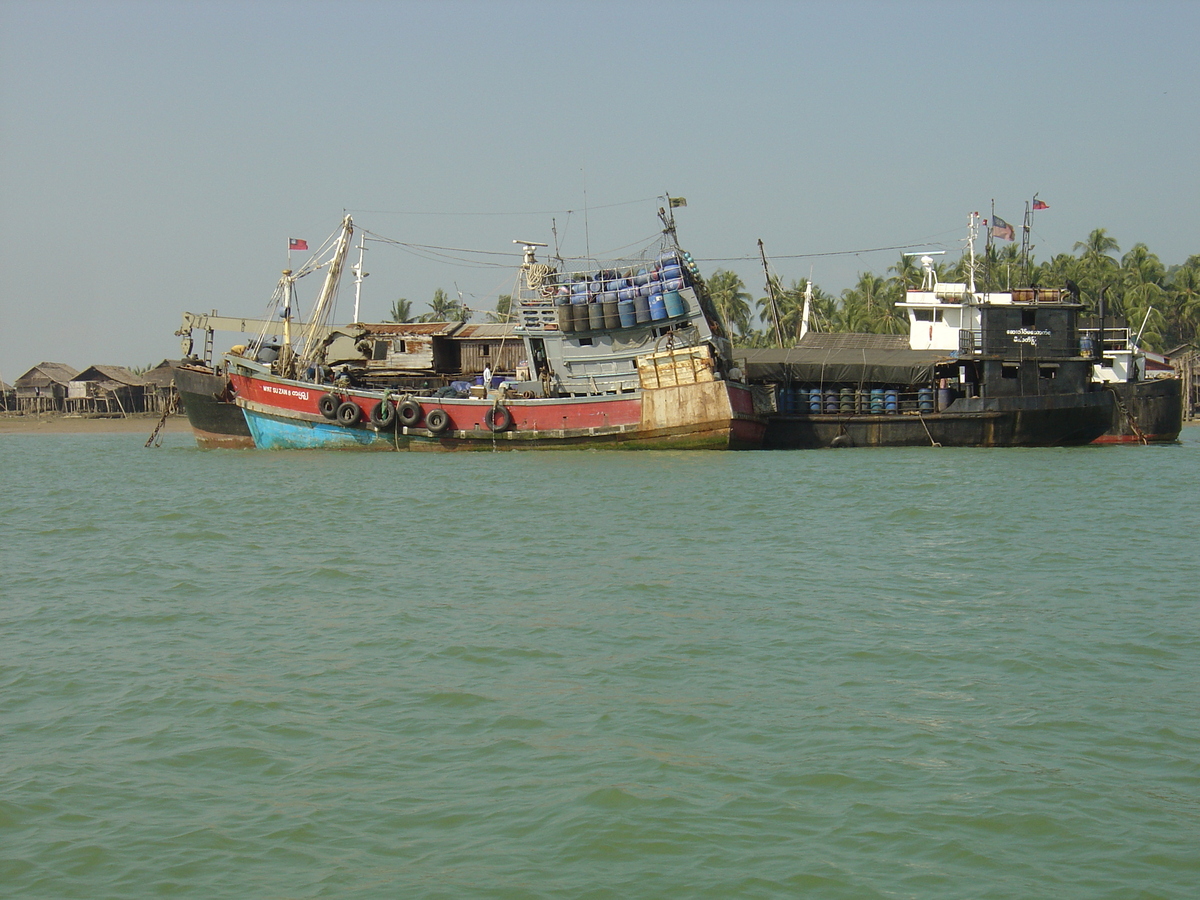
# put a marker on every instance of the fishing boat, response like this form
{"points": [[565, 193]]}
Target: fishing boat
{"points": [[977, 369], [624, 354]]}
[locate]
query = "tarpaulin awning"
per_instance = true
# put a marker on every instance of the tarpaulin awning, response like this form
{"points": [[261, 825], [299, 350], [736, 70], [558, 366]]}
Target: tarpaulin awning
{"points": [[877, 359]]}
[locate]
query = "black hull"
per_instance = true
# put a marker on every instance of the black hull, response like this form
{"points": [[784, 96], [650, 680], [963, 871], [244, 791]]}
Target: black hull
{"points": [[216, 421], [1145, 412], [1020, 422]]}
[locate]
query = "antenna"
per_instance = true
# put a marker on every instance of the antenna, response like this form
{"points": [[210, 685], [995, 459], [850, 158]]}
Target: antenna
{"points": [[529, 247]]}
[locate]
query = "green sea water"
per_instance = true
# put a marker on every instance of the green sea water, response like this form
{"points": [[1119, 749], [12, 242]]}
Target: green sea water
{"points": [[929, 673]]}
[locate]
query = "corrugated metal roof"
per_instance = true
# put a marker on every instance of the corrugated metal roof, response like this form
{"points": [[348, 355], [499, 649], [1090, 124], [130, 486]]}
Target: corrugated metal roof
{"points": [[486, 331], [429, 329]]}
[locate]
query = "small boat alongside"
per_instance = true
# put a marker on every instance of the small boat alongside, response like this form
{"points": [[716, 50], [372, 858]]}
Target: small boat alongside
{"points": [[1147, 393], [629, 354]]}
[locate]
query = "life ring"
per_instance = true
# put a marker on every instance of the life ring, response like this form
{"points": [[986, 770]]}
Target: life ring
{"points": [[349, 413], [328, 405], [437, 420], [498, 418], [409, 412], [383, 415]]}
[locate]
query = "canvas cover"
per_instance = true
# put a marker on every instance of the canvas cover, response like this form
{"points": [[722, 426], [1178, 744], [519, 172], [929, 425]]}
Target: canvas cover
{"points": [[841, 359]]}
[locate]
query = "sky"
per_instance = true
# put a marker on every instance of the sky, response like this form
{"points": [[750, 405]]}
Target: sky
{"points": [[155, 157]]}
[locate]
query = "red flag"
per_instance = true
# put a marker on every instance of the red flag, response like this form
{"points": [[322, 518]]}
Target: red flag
{"points": [[297, 244], [1038, 204]]}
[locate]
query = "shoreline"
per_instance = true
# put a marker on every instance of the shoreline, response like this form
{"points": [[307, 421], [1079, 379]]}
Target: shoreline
{"points": [[56, 423]]}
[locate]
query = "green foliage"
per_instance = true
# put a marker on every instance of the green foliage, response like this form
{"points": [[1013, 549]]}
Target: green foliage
{"points": [[444, 309], [728, 293], [503, 311], [401, 311]]}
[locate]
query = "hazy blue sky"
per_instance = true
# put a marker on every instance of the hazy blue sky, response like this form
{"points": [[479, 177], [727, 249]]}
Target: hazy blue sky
{"points": [[156, 156]]}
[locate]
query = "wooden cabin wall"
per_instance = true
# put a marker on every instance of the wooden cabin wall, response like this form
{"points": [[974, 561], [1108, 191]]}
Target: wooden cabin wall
{"points": [[497, 355]]}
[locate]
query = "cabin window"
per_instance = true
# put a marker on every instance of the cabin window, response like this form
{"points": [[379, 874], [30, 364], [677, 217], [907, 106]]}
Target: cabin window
{"points": [[1047, 371], [1009, 371], [1028, 318], [927, 315], [399, 346], [484, 350], [585, 342], [1107, 362], [380, 350]]}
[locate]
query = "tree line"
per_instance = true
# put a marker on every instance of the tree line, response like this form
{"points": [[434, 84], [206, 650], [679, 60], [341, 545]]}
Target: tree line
{"points": [[1137, 286]]}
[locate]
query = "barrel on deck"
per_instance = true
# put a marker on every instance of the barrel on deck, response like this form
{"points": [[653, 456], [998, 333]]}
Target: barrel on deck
{"points": [[596, 316], [891, 401], [612, 319], [675, 304], [566, 319], [579, 314], [925, 400], [876, 401], [658, 307], [626, 312]]}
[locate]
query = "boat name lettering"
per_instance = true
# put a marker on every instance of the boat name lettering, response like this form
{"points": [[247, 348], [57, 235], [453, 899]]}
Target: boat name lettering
{"points": [[289, 392], [1027, 335]]}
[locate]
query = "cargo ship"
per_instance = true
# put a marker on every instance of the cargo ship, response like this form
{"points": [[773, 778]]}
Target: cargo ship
{"points": [[977, 369]]}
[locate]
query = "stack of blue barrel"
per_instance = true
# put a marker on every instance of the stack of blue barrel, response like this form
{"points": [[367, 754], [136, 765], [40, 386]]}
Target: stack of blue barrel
{"points": [[612, 299]]}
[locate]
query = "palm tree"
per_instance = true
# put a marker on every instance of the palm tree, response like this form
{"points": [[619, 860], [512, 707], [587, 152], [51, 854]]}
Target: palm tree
{"points": [[401, 311], [728, 293], [1097, 269], [1185, 303], [443, 309], [503, 307], [907, 272], [1145, 299]]}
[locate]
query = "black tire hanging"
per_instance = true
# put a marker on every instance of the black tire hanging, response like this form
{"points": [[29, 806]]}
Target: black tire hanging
{"points": [[383, 415], [349, 413], [498, 418], [437, 420], [328, 405], [409, 412]]}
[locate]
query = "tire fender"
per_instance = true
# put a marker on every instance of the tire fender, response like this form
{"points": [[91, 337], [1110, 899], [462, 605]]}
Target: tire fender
{"points": [[328, 405]]}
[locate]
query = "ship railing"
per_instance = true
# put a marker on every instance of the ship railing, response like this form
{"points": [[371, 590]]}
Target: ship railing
{"points": [[1115, 338]]}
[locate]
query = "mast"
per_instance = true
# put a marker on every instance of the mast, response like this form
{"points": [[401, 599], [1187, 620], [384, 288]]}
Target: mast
{"points": [[771, 293], [807, 308], [971, 220], [324, 304], [359, 274]]}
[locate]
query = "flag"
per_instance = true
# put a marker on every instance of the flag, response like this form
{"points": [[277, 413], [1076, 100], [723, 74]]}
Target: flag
{"points": [[1038, 204], [677, 201], [1001, 229], [297, 244]]}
